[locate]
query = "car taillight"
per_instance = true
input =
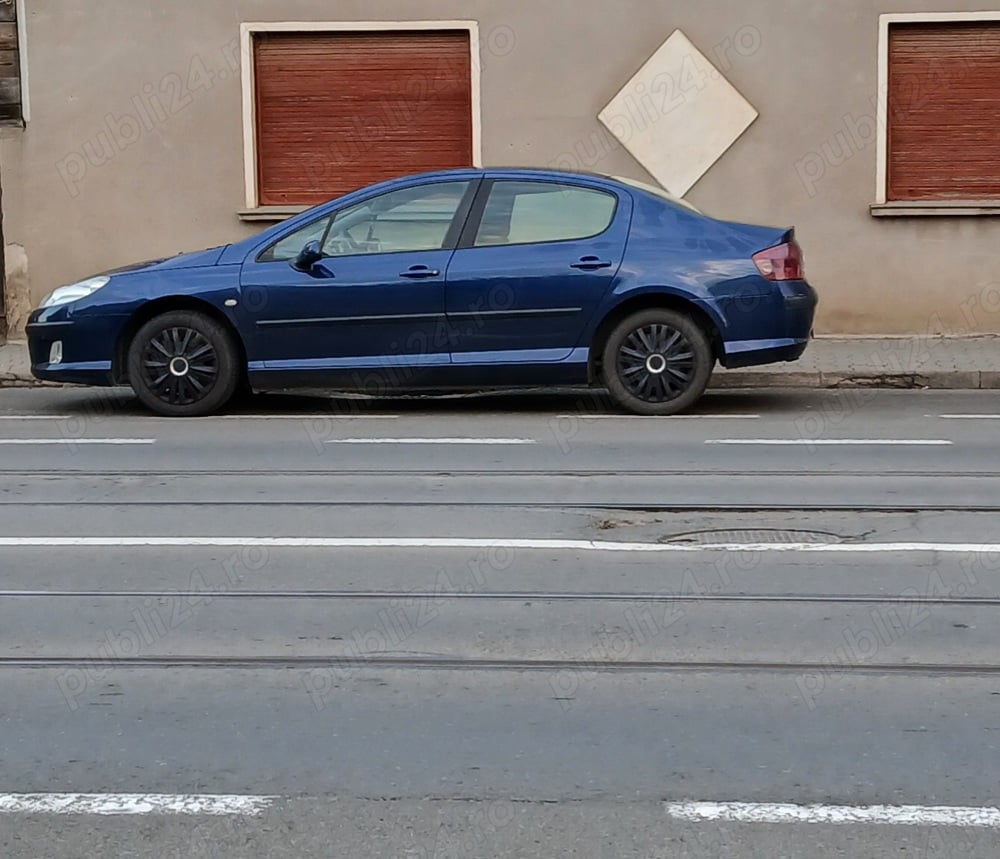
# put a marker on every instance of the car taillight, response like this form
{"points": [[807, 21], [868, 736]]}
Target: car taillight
{"points": [[784, 262]]}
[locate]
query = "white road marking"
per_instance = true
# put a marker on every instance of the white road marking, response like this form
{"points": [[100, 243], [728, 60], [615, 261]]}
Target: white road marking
{"points": [[74, 441], [143, 417], [125, 804], [833, 442], [35, 417], [441, 441], [132, 804], [673, 418], [63, 542], [967, 417], [898, 815], [316, 417]]}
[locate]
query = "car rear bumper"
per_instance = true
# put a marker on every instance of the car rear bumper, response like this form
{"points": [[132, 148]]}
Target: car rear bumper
{"points": [[754, 353], [785, 317]]}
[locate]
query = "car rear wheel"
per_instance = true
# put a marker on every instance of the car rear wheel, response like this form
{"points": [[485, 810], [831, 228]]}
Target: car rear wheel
{"points": [[183, 364], [657, 363]]}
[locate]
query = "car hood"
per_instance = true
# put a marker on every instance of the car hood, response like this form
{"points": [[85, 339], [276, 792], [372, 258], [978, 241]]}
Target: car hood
{"points": [[198, 259]]}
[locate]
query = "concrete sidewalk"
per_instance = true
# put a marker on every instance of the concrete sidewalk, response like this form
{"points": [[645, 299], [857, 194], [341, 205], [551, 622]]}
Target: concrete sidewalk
{"points": [[965, 363], [958, 363], [15, 366]]}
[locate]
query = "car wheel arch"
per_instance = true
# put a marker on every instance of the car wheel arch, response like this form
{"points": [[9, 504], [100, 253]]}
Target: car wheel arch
{"points": [[646, 301], [152, 309]]}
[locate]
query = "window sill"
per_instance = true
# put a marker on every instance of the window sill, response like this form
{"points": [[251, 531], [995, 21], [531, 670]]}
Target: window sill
{"points": [[271, 214], [937, 209]]}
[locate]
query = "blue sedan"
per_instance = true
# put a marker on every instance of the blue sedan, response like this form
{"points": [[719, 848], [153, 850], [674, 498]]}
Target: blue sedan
{"points": [[458, 280]]}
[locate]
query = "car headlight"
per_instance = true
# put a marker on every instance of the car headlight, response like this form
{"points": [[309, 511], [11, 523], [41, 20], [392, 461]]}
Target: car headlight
{"points": [[74, 292]]}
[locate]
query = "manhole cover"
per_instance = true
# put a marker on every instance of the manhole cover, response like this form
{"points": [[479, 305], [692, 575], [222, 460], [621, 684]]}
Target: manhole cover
{"points": [[756, 536]]}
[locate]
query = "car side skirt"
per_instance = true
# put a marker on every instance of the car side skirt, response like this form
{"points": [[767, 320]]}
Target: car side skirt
{"points": [[381, 374]]}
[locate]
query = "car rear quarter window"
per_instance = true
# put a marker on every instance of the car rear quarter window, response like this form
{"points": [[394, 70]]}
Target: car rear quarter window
{"points": [[519, 213]]}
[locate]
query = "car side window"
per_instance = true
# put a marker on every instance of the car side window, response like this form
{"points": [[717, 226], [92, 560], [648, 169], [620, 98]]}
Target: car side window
{"points": [[412, 219], [519, 213], [290, 246]]}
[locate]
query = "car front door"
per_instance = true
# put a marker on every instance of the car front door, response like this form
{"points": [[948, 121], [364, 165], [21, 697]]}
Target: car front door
{"points": [[535, 262], [376, 299]]}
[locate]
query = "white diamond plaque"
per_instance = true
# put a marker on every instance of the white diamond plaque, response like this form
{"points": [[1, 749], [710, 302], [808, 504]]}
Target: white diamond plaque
{"points": [[678, 115]]}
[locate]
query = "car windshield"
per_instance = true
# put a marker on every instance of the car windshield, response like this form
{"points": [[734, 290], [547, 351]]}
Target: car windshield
{"points": [[657, 191]]}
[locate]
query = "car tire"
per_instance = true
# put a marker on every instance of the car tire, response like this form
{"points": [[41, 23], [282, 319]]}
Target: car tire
{"points": [[657, 363], [184, 364]]}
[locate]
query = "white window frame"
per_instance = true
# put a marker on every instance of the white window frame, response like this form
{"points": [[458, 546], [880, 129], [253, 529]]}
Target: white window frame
{"points": [[248, 30], [885, 23], [22, 47]]}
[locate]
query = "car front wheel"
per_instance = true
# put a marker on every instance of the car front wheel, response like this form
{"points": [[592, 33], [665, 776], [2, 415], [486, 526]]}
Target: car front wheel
{"points": [[183, 364], [657, 363]]}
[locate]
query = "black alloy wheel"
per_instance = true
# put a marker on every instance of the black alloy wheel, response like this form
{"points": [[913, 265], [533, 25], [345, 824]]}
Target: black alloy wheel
{"points": [[183, 364], [657, 363]]}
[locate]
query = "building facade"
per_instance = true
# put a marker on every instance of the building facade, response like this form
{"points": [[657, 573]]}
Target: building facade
{"points": [[133, 130]]}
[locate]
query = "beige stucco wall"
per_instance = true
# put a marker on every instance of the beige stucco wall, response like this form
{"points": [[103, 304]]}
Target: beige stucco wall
{"points": [[548, 69]]}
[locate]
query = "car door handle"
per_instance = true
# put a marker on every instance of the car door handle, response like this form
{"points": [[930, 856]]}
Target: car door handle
{"points": [[420, 272], [591, 264]]}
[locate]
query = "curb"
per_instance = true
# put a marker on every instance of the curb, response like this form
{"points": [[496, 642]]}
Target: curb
{"points": [[941, 380], [30, 383]]}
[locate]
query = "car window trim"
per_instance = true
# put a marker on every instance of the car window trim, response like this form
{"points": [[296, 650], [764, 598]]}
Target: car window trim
{"points": [[475, 219], [326, 232], [471, 232], [456, 232]]}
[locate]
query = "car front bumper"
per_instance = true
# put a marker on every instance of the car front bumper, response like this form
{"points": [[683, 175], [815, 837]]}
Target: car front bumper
{"points": [[86, 350]]}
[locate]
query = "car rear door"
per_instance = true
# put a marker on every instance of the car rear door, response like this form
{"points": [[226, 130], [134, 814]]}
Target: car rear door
{"points": [[535, 261]]}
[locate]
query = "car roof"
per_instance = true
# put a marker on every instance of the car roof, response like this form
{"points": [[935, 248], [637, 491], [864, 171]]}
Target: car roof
{"points": [[632, 186], [533, 172]]}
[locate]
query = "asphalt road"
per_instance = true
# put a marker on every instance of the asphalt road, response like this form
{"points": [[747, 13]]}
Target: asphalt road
{"points": [[501, 626]]}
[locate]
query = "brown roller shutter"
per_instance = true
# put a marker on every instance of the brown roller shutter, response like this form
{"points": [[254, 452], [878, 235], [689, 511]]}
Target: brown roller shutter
{"points": [[338, 111], [944, 111]]}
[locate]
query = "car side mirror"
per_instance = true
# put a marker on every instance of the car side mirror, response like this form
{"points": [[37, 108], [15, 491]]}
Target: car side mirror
{"points": [[311, 254]]}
